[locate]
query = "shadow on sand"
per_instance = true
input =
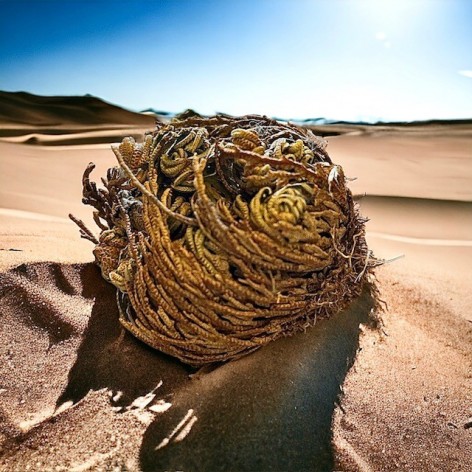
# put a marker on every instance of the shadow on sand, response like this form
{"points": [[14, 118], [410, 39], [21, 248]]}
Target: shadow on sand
{"points": [[269, 411]]}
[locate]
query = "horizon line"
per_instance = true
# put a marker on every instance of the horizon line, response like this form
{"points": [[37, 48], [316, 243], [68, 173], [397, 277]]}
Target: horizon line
{"points": [[321, 120]]}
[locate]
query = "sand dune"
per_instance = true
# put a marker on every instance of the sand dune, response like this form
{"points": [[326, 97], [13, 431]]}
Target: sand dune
{"points": [[78, 393], [22, 108], [65, 121]]}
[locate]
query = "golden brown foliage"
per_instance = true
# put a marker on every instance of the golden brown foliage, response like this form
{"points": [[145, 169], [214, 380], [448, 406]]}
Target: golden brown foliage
{"points": [[222, 234]]}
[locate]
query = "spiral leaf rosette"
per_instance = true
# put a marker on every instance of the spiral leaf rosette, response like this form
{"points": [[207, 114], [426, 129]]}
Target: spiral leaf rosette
{"points": [[222, 234]]}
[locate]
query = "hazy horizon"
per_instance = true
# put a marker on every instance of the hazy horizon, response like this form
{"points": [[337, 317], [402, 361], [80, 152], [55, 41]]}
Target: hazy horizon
{"points": [[321, 119], [343, 60]]}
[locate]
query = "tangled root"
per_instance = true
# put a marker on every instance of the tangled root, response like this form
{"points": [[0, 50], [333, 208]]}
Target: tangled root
{"points": [[222, 234]]}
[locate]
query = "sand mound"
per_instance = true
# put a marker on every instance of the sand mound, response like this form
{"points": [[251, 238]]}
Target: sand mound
{"points": [[79, 393], [407, 403]]}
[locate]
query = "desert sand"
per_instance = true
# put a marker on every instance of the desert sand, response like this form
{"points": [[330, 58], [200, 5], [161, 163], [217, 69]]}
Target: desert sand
{"points": [[77, 393]]}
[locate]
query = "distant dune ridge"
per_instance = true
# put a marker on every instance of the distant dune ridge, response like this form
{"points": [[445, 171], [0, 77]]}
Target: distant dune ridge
{"points": [[61, 120], [24, 108], [78, 393]]}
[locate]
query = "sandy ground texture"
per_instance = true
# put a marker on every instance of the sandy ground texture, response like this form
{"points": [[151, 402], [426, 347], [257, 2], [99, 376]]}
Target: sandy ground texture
{"points": [[77, 393]]}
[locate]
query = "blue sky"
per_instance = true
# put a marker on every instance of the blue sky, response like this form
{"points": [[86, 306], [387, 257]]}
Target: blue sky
{"points": [[341, 59]]}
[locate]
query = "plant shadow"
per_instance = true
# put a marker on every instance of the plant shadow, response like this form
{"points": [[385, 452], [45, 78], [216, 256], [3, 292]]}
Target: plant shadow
{"points": [[269, 411], [109, 357]]}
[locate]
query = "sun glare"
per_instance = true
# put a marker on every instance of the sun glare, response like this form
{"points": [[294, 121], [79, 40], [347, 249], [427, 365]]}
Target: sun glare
{"points": [[388, 15]]}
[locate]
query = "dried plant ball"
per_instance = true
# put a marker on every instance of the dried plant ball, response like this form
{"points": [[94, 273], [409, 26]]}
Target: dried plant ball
{"points": [[222, 234]]}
